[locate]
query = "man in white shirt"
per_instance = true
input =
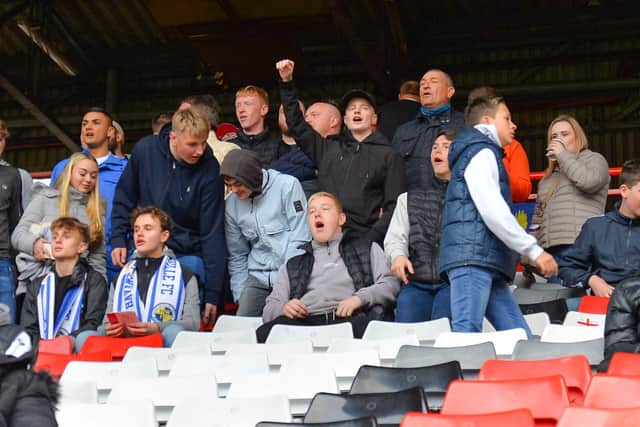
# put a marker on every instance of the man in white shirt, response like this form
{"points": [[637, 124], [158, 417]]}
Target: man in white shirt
{"points": [[481, 239]]}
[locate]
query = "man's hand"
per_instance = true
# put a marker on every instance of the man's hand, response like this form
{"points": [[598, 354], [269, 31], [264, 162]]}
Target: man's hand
{"points": [[285, 68], [400, 266], [114, 330], [346, 307], [546, 264], [599, 287], [295, 309], [119, 256], [209, 315], [138, 329]]}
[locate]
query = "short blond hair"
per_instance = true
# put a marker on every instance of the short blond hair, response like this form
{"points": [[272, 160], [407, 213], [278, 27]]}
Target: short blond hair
{"points": [[328, 195], [253, 91], [189, 120]]}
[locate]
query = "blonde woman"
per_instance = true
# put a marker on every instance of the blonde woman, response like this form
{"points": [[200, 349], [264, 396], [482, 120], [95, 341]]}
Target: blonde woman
{"points": [[573, 189], [76, 194]]}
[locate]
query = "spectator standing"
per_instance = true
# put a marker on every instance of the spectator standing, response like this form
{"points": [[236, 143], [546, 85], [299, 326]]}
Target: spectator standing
{"points": [[413, 140], [481, 239], [359, 167], [264, 225], [177, 172], [26, 182], [396, 113]]}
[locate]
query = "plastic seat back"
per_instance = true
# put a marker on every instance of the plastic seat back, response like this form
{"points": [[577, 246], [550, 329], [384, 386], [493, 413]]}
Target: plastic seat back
{"points": [[624, 364], [320, 336], [569, 334], [60, 345], [530, 350], [227, 323], [593, 304], [503, 341], [387, 408], [517, 417], [589, 320], [433, 379], [609, 391], [425, 331], [128, 414], [580, 417], [470, 357], [118, 346], [358, 422], [545, 397], [575, 370]]}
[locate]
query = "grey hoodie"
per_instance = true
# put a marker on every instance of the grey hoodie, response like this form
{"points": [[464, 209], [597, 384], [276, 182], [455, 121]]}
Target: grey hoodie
{"points": [[331, 283]]}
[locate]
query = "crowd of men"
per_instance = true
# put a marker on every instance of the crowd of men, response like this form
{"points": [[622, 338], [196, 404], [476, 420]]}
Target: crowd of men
{"points": [[352, 208]]}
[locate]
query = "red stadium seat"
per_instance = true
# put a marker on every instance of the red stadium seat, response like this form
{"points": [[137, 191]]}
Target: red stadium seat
{"points": [[518, 417], [118, 347], [593, 304], [60, 345], [545, 397], [580, 417], [624, 364], [609, 391], [53, 363], [574, 369]]}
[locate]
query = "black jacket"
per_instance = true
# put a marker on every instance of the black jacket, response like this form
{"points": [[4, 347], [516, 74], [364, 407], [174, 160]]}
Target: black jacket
{"points": [[26, 398], [394, 114], [424, 209], [414, 140], [94, 302], [622, 327], [366, 176], [267, 147], [607, 246]]}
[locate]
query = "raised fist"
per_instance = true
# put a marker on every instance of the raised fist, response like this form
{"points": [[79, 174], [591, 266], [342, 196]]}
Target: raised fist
{"points": [[285, 68]]}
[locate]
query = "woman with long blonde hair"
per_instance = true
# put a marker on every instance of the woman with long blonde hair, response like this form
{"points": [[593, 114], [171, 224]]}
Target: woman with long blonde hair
{"points": [[76, 193], [573, 189]]}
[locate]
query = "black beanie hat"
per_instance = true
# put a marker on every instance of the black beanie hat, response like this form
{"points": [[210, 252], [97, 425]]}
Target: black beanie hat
{"points": [[244, 166]]}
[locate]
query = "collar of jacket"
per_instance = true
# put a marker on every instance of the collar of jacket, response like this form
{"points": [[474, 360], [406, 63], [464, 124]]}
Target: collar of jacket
{"points": [[78, 195], [617, 216], [334, 240], [262, 136], [438, 119], [375, 138], [166, 251]]}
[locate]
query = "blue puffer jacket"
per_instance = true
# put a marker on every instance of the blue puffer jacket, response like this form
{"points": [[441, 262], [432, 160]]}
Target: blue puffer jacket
{"points": [[466, 240], [192, 194], [264, 231]]}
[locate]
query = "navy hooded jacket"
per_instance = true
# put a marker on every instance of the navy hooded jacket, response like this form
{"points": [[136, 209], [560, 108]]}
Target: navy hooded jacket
{"points": [[193, 195]]}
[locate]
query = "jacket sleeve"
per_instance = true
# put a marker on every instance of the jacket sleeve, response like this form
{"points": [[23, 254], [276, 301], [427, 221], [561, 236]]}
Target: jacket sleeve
{"points": [[396, 241], [621, 324], [588, 175], [385, 285], [295, 205], [517, 165], [95, 301], [212, 238], [27, 188], [125, 200], [238, 248], [15, 207], [190, 316], [97, 258], [22, 239], [576, 265], [278, 297], [394, 185], [308, 139], [29, 315], [57, 170]]}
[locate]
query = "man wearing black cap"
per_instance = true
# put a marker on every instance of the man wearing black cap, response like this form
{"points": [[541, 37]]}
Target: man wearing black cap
{"points": [[359, 166], [265, 223]]}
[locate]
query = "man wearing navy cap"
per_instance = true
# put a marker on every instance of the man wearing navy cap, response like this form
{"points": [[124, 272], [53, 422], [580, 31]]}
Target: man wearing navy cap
{"points": [[358, 166]]}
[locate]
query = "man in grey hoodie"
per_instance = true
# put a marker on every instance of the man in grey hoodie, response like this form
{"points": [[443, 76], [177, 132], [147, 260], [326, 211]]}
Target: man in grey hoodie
{"points": [[337, 279]]}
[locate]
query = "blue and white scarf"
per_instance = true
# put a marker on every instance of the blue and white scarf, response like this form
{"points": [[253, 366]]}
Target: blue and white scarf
{"points": [[165, 296], [68, 318]]}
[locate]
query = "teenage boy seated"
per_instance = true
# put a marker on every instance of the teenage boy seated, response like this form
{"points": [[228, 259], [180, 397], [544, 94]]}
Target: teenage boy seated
{"points": [[413, 239], [154, 285], [72, 298], [338, 278], [607, 249], [481, 239]]}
